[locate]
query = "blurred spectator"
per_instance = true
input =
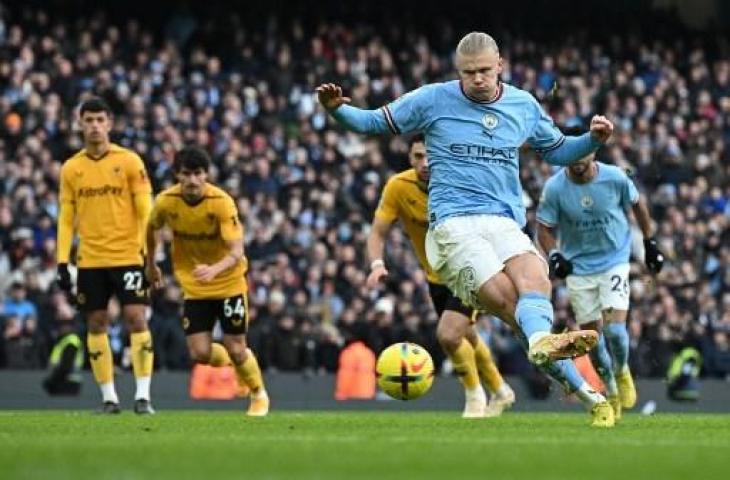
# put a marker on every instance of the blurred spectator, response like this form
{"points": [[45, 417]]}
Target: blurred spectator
{"points": [[17, 305], [22, 343], [67, 357]]}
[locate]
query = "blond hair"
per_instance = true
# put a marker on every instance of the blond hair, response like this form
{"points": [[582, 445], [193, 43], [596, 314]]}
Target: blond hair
{"points": [[474, 43]]}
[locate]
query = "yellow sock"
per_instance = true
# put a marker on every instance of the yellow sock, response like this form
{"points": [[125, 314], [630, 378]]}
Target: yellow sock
{"points": [[100, 354], [464, 365], [219, 355], [488, 370], [142, 353], [249, 373]]}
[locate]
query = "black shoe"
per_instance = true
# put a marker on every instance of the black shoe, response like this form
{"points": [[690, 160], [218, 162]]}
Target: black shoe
{"points": [[143, 407], [110, 408]]}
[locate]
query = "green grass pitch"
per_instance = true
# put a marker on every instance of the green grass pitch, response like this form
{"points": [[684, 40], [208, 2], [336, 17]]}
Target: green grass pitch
{"points": [[214, 445]]}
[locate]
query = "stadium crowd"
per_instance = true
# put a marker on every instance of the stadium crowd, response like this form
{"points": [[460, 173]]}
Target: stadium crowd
{"points": [[307, 190]]}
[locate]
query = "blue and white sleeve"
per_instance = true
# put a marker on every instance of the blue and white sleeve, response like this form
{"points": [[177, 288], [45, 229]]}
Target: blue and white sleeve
{"points": [[403, 115], [548, 210], [553, 146], [629, 192], [409, 113], [359, 120]]}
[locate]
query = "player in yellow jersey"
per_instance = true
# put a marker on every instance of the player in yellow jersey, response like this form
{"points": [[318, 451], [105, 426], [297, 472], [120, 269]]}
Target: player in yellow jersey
{"points": [[209, 263], [405, 198], [105, 197]]}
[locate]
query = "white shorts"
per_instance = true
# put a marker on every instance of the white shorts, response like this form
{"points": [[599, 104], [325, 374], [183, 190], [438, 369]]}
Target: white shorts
{"points": [[467, 251], [592, 294]]}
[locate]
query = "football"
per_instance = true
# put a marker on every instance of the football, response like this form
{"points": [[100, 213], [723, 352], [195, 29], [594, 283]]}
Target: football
{"points": [[405, 371]]}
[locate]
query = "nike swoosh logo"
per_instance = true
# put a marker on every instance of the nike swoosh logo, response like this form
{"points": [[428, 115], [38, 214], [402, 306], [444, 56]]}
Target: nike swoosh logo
{"points": [[417, 368]]}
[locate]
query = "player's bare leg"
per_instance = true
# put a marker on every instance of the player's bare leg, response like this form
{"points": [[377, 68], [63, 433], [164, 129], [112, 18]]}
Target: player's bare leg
{"points": [[534, 312], [451, 333], [500, 302], [135, 317], [100, 355], [502, 299], [199, 347], [248, 372], [501, 394]]}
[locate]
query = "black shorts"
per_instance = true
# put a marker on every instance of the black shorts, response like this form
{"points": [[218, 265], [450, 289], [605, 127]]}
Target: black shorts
{"points": [[95, 286], [201, 315], [443, 299]]}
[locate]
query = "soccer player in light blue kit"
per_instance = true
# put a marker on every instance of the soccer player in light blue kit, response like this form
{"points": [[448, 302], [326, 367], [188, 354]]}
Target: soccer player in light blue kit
{"points": [[585, 207], [474, 128]]}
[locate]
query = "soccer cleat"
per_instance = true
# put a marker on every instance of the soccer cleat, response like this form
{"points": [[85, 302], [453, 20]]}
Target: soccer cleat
{"points": [[475, 408], [109, 408], [504, 397], [615, 402], [626, 388], [562, 345], [493, 408], [259, 406], [143, 406], [602, 414]]}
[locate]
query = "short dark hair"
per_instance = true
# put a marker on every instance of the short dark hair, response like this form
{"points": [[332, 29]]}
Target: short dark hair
{"points": [[95, 105], [417, 138], [192, 158]]}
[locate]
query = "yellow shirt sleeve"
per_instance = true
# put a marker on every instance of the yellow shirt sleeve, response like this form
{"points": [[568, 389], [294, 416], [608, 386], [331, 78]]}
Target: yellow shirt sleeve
{"points": [[66, 216], [157, 215], [137, 177], [231, 228], [139, 185], [388, 207]]}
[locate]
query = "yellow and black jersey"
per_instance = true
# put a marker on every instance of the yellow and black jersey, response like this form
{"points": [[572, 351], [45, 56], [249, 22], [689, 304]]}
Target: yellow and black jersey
{"points": [[200, 236], [101, 193], [405, 198]]}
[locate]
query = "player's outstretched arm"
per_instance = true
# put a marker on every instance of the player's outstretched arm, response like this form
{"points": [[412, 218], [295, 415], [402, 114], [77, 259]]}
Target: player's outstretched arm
{"points": [[601, 129], [330, 96], [376, 247], [570, 149], [352, 118]]}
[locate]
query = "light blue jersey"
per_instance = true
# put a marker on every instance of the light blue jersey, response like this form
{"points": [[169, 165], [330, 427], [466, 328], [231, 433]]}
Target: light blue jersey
{"points": [[473, 147], [590, 218]]}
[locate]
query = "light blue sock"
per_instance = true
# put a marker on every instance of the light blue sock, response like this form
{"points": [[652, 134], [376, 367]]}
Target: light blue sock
{"points": [[534, 314], [564, 372], [601, 360], [618, 340]]}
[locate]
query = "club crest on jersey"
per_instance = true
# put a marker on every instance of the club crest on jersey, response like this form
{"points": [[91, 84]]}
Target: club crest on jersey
{"points": [[490, 120], [586, 201], [118, 171]]}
